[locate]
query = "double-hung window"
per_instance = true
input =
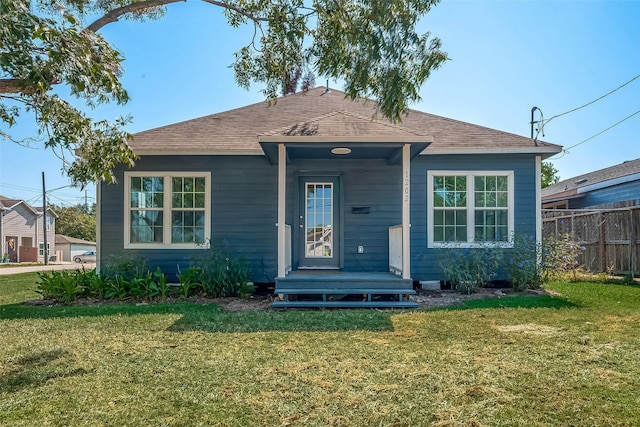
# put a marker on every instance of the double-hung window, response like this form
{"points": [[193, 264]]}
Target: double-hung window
{"points": [[470, 208], [167, 209], [41, 248]]}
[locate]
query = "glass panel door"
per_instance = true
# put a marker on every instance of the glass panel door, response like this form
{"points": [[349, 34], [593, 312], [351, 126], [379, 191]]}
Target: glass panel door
{"points": [[319, 220], [318, 230]]}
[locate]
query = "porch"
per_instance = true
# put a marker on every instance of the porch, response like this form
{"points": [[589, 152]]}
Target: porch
{"points": [[333, 288], [314, 219]]}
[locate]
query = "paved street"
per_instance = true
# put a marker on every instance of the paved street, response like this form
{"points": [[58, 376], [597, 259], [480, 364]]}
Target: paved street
{"points": [[53, 266]]}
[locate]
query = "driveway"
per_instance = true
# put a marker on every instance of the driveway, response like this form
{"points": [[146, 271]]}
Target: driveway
{"points": [[50, 267]]}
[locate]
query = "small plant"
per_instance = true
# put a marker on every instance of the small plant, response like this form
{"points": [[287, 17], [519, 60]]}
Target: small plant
{"points": [[189, 281], [560, 257], [148, 286], [60, 285], [118, 288], [161, 281], [246, 289], [95, 285], [525, 271], [468, 269], [223, 273]]}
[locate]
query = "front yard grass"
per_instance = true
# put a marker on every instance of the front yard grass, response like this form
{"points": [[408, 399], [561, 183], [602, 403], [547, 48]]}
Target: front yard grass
{"points": [[573, 360]]}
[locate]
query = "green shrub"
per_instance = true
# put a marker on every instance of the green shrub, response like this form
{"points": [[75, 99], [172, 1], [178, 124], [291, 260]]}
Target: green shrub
{"points": [[222, 273], [189, 281], [118, 287], [127, 268], [525, 271], [560, 257], [161, 281], [468, 269], [64, 286], [94, 285]]}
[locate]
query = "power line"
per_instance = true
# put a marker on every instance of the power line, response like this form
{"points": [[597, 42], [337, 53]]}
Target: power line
{"points": [[566, 150], [591, 102]]}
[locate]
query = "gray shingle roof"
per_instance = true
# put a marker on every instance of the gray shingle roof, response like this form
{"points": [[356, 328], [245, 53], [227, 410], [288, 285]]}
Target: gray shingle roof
{"points": [[62, 238], [571, 185], [323, 114], [6, 202]]}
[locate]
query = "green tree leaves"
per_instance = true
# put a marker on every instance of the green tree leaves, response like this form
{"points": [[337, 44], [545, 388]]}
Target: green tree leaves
{"points": [[549, 174], [372, 45], [74, 221]]}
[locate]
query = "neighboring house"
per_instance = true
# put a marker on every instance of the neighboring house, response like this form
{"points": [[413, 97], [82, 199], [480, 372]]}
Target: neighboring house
{"points": [[67, 247], [615, 186], [22, 231], [315, 184]]}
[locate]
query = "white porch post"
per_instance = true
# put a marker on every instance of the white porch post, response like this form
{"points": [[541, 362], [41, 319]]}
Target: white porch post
{"points": [[406, 211], [282, 197], [539, 206]]}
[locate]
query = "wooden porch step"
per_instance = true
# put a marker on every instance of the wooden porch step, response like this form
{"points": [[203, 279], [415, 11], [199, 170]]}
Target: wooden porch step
{"points": [[345, 291], [344, 304]]}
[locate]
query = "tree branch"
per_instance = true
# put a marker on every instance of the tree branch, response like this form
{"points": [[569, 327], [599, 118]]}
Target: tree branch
{"points": [[18, 86], [115, 14], [255, 19], [15, 86]]}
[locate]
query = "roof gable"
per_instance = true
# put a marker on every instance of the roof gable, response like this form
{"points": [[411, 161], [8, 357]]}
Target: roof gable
{"points": [[342, 124]]}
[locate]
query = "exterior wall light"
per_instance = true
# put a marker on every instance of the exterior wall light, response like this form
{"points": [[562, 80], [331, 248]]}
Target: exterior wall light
{"points": [[341, 150]]}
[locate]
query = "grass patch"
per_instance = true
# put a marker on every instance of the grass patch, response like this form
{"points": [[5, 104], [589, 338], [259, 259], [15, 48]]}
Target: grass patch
{"points": [[518, 301], [571, 359]]}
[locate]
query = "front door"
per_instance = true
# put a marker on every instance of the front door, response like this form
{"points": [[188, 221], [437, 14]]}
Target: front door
{"points": [[319, 223]]}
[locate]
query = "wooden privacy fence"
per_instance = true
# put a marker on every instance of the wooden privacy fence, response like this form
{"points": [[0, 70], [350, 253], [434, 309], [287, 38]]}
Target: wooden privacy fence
{"points": [[611, 237]]}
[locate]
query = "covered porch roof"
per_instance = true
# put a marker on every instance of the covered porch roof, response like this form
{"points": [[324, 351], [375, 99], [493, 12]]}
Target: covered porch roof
{"points": [[343, 135], [318, 148]]}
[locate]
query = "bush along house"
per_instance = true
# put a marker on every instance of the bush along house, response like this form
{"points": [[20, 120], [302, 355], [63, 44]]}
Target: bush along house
{"points": [[322, 197]]}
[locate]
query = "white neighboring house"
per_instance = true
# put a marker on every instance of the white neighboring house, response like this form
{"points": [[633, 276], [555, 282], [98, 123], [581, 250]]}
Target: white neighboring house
{"points": [[67, 247], [21, 231]]}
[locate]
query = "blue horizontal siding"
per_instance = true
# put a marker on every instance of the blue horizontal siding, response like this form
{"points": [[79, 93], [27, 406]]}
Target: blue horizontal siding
{"points": [[425, 261], [616, 193], [244, 208]]}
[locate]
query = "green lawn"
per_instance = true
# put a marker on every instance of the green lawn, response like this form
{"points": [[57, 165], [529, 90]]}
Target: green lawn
{"points": [[570, 360]]}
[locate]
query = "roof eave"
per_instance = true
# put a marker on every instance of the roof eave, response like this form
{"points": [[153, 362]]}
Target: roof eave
{"points": [[544, 152]]}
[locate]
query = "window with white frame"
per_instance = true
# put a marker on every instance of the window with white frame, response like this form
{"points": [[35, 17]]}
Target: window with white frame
{"points": [[167, 209], [41, 248], [470, 208]]}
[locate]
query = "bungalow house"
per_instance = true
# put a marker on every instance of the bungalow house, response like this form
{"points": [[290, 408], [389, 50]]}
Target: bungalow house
{"points": [[321, 197], [22, 231], [68, 247], [615, 186]]}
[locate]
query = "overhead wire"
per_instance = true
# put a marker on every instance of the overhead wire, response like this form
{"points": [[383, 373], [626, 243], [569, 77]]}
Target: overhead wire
{"points": [[566, 150], [590, 102]]}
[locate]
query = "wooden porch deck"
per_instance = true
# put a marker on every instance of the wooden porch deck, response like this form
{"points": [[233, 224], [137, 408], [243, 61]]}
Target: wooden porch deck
{"points": [[332, 288]]}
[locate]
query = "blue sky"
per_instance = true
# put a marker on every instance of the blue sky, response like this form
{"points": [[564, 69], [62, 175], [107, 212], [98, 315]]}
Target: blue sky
{"points": [[506, 57]]}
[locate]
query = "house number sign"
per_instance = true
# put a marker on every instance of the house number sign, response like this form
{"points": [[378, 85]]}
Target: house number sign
{"points": [[405, 189]]}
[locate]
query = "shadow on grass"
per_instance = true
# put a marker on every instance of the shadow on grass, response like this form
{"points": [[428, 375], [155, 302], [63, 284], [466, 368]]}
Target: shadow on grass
{"points": [[209, 318], [288, 321], [26, 311], [36, 369], [546, 301]]}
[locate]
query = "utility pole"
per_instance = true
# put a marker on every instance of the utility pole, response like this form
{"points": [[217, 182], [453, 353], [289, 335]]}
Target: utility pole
{"points": [[44, 221], [86, 204]]}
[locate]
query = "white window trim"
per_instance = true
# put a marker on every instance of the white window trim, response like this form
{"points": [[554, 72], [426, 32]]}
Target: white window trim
{"points": [[470, 208], [166, 226], [41, 244]]}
